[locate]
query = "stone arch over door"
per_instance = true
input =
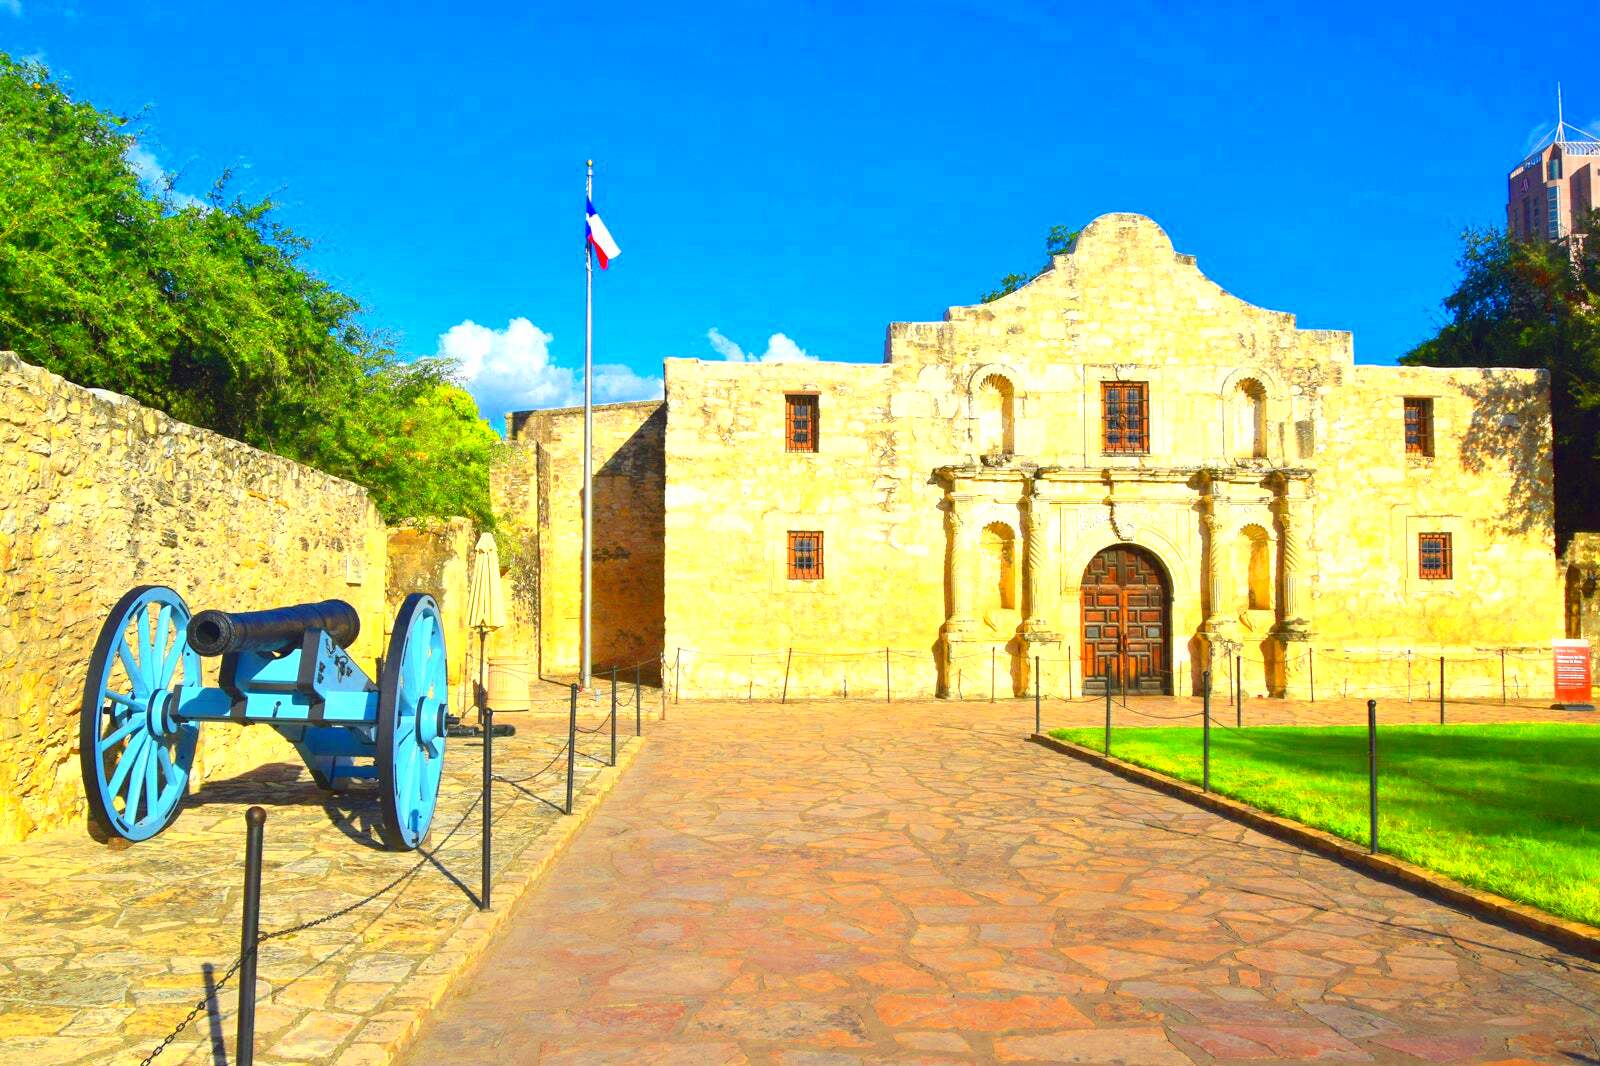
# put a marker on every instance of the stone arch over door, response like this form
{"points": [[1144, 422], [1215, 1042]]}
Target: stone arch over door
{"points": [[1125, 629]]}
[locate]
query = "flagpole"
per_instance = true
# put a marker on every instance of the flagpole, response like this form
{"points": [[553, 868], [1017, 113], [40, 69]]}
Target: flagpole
{"points": [[588, 430]]}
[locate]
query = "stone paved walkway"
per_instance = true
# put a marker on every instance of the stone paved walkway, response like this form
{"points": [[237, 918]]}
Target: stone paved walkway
{"points": [[104, 949], [841, 883]]}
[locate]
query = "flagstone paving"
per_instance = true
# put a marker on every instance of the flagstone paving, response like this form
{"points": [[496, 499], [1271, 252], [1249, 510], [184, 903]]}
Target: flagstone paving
{"points": [[104, 949], [841, 883]]}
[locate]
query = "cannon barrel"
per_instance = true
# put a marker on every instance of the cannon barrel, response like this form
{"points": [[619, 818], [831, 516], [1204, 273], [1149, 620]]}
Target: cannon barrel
{"points": [[277, 630]]}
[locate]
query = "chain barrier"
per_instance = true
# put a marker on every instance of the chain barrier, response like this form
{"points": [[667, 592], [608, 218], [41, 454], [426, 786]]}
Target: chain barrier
{"points": [[537, 773], [276, 934]]}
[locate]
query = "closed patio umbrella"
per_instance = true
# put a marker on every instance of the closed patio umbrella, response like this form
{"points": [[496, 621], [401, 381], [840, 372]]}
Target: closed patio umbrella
{"points": [[486, 604]]}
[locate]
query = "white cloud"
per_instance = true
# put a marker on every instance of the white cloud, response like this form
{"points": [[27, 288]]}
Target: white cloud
{"points": [[148, 169], [511, 369], [780, 349]]}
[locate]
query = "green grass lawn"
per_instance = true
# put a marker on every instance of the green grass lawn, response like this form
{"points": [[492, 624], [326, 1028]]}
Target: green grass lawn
{"points": [[1512, 809]]}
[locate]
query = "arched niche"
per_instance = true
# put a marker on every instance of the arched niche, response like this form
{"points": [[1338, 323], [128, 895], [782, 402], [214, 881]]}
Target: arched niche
{"points": [[997, 570], [1255, 562], [994, 402], [1250, 398]]}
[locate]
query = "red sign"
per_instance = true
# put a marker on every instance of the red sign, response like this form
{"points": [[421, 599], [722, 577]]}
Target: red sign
{"points": [[1572, 671]]}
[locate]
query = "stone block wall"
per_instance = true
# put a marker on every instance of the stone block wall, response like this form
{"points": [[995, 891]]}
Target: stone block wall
{"points": [[436, 558], [537, 492], [98, 494], [1123, 306]]}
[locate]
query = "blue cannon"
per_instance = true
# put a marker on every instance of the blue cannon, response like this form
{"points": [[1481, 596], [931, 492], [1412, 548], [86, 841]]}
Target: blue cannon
{"points": [[143, 703]]}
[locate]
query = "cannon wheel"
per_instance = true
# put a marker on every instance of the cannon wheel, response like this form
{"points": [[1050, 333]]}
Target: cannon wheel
{"points": [[134, 755], [413, 695]]}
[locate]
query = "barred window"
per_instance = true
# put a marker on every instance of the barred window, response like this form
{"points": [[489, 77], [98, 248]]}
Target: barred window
{"points": [[1125, 417], [1419, 426], [800, 421], [1434, 561], [805, 556]]}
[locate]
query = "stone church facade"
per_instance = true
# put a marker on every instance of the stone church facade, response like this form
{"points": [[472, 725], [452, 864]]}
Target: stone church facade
{"points": [[1119, 472]]}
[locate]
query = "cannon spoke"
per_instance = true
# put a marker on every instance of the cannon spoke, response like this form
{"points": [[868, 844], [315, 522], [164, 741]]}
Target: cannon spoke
{"points": [[141, 688], [141, 622], [174, 775], [120, 733], [135, 778], [152, 782], [158, 647], [125, 763], [127, 701]]}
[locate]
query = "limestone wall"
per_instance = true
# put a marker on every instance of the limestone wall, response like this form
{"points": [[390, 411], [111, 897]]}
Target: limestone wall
{"points": [[903, 442], [98, 494], [436, 558], [537, 489]]}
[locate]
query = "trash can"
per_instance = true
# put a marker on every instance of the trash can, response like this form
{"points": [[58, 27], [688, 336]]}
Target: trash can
{"points": [[510, 681]]}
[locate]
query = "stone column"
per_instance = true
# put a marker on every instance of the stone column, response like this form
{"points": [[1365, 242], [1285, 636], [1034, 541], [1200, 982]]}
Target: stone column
{"points": [[1211, 574], [1290, 619], [1035, 532], [1292, 628], [958, 525]]}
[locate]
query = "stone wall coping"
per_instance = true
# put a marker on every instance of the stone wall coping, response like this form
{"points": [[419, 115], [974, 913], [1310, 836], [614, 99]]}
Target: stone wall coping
{"points": [[12, 363]]}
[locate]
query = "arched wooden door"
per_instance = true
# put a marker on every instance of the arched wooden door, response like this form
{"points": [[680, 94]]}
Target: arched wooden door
{"points": [[1126, 621]]}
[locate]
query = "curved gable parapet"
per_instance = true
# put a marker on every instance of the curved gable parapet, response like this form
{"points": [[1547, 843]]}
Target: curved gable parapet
{"points": [[1122, 293]]}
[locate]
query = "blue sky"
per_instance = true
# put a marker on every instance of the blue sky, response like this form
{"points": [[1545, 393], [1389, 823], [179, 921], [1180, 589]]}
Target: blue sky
{"points": [[812, 171]]}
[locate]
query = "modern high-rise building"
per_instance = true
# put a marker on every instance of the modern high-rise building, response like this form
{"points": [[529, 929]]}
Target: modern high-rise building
{"points": [[1556, 186]]}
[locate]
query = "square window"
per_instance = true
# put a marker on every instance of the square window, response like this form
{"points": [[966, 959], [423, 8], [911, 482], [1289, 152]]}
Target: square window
{"points": [[800, 421], [1434, 562], [805, 556], [1125, 417], [1419, 426]]}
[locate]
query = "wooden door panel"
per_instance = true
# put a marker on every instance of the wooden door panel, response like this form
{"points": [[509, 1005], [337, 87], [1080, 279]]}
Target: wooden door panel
{"points": [[1125, 622]]}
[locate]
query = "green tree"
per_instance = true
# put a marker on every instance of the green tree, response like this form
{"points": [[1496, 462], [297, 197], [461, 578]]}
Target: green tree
{"points": [[209, 313], [1535, 304], [1058, 241]]}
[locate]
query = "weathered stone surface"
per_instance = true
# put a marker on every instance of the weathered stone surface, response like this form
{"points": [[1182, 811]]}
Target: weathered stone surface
{"points": [[810, 811], [98, 494], [139, 935], [991, 419]]}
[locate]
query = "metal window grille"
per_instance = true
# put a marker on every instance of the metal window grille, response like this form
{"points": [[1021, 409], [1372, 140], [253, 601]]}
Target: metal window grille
{"points": [[800, 422], [1125, 424], [805, 556], [1419, 426], [1434, 562]]}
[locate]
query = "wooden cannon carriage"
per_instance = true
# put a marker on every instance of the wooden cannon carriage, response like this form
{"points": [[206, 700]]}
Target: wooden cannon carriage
{"points": [[144, 701]]}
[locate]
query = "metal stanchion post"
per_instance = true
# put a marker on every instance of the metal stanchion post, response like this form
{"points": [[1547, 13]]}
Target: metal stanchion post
{"points": [[1502, 677], [787, 659], [1069, 673], [992, 656], [1441, 690], [1036, 728], [638, 707], [572, 740], [1110, 673], [1311, 671], [249, 937], [486, 716], [888, 689], [1238, 691], [613, 716], [1372, 775], [1205, 732], [677, 678]]}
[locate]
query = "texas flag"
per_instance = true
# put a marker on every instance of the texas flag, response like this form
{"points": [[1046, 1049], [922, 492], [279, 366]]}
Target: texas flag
{"points": [[605, 249]]}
